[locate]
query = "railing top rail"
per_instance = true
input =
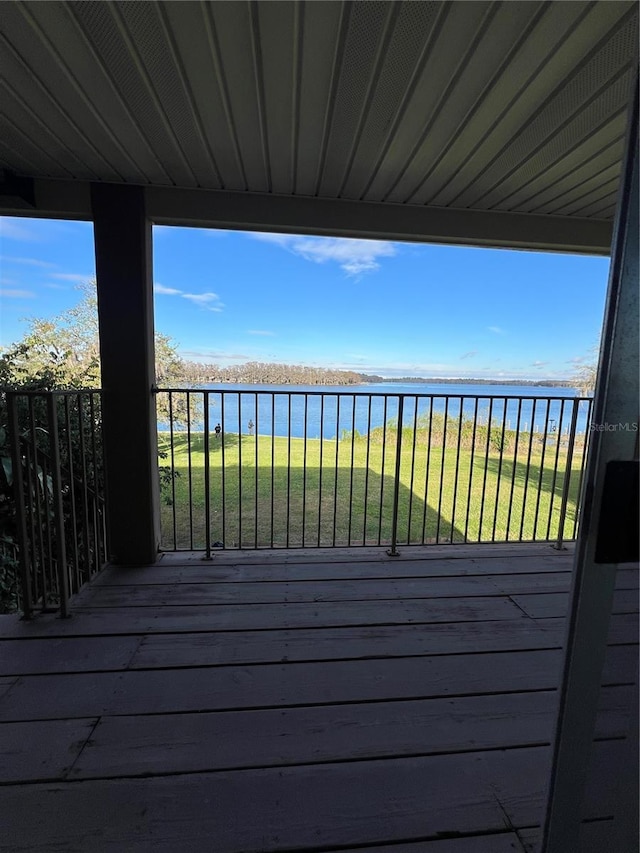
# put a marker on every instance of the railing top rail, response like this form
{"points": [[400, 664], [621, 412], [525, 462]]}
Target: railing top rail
{"points": [[394, 394], [24, 392]]}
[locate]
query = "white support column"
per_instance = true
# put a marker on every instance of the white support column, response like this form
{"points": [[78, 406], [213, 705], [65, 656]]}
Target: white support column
{"points": [[125, 309], [616, 404]]}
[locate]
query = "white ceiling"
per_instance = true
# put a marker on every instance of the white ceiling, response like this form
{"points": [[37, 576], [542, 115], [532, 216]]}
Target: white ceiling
{"points": [[507, 106]]}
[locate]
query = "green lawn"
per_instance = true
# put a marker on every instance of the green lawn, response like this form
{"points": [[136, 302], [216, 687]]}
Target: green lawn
{"points": [[291, 492]]}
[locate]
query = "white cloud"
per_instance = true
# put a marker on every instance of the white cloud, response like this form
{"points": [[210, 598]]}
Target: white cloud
{"points": [[469, 354], [168, 291], [539, 363], [34, 262], [355, 257], [80, 278], [10, 230], [263, 332], [496, 330], [209, 300], [13, 293]]}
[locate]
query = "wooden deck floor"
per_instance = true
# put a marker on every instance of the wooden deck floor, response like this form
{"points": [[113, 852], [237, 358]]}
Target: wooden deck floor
{"points": [[298, 702]]}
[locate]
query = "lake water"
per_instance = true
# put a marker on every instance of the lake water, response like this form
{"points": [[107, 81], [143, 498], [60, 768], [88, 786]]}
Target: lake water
{"points": [[328, 410]]}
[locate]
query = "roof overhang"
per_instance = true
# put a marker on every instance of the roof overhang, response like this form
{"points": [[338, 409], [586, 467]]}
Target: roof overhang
{"points": [[476, 123]]}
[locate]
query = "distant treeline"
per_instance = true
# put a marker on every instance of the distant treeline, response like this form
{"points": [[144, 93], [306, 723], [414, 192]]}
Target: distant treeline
{"points": [[538, 383], [257, 372]]}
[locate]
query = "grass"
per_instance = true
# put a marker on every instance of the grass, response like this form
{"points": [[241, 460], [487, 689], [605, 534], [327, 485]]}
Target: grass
{"points": [[290, 492]]}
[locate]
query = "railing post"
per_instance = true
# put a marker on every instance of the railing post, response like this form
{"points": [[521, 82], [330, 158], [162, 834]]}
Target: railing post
{"points": [[21, 516], [393, 551], [58, 510], [567, 474]]}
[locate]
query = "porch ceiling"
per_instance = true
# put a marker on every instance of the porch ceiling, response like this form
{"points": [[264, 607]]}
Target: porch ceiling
{"points": [[517, 108]]}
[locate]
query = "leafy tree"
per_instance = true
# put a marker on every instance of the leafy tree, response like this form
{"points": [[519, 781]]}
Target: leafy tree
{"points": [[63, 352], [60, 353]]}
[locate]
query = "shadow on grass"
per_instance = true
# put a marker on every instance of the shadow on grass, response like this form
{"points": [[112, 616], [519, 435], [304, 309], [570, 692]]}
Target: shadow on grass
{"points": [[281, 493], [298, 507]]}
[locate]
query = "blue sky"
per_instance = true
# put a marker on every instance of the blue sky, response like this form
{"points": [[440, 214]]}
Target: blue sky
{"points": [[390, 308]]}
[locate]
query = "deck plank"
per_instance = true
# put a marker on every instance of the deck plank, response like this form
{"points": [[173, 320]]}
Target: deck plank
{"points": [[20, 657], [160, 619], [41, 750], [169, 650], [88, 654], [301, 808], [187, 593], [556, 604], [141, 745], [278, 685], [293, 568], [504, 842]]}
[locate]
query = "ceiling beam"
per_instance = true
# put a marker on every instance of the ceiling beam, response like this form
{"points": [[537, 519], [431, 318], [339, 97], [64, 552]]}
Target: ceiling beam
{"points": [[377, 221], [337, 218]]}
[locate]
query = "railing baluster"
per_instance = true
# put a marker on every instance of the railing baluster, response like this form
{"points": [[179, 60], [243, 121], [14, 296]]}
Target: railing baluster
{"points": [[94, 460], [393, 550], [471, 458], [256, 436], [173, 473], [304, 469], [41, 520], [18, 491], [555, 469], [513, 471], [239, 470], [413, 467], [366, 474], [567, 474], [190, 470], [442, 465], [273, 459], [72, 494], [382, 466], [353, 438], [207, 483], [223, 468], [528, 469], [499, 477], [58, 509], [33, 527], [320, 469], [426, 472], [486, 466], [583, 461], [335, 479], [541, 471], [85, 491], [455, 476], [288, 466]]}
